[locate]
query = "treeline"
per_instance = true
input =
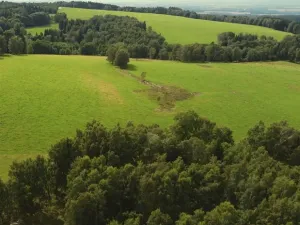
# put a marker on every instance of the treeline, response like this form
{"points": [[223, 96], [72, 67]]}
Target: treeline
{"points": [[95, 36], [14, 18], [189, 174], [27, 14], [295, 18], [277, 23], [22, 11], [12, 37]]}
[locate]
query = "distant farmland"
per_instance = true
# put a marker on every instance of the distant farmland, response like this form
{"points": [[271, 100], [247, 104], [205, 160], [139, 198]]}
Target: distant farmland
{"points": [[179, 29], [55, 95]]}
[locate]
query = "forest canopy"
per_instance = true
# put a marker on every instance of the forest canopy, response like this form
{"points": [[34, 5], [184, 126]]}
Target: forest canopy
{"points": [[189, 174]]}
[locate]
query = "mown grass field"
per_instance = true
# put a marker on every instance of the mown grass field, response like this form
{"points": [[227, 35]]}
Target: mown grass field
{"points": [[55, 95], [179, 29], [38, 30]]}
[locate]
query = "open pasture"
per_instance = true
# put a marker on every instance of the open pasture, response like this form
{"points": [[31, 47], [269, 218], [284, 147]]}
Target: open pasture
{"points": [[180, 29], [55, 95]]}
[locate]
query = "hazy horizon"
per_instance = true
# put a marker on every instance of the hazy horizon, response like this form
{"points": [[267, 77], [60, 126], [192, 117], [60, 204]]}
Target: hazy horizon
{"points": [[187, 3]]}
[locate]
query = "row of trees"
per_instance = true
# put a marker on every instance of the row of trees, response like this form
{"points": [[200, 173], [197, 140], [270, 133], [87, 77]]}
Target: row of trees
{"points": [[189, 174], [12, 37], [98, 35], [14, 18], [277, 23], [93, 37], [27, 14], [15, 45]]}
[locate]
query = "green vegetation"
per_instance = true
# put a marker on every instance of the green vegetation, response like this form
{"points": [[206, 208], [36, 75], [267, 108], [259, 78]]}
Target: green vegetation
{"points": [[233, 95], [41, 29], [150, 154], [50, 100], [190, 173], [179, 29]]}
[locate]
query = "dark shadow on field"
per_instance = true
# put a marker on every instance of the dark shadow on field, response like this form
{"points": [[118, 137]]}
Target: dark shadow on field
{"points": [[8, 56], [131, 67], [4, 56], [21, 55]]}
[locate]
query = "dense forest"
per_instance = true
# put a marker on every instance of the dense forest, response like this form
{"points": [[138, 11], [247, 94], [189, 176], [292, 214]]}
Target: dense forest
{"points": [[189, 174], [95, 36], [28, 14], [23, 11], [101, 34]]}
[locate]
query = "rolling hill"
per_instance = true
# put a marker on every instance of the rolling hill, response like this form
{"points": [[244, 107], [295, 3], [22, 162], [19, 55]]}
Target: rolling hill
{"points": [[179, 29], [57, 94]]}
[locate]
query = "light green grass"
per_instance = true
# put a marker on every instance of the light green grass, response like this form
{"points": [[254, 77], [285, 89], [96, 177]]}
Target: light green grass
{"points": [[179, 29], [55, 95], [234, 95], [41, 29]]}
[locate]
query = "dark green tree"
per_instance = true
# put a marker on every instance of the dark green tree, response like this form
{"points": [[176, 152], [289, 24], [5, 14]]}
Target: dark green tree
{"points": [[62, 155], [16, 45], [122, 58], [60, 17], [40, 18], [159, 218], [237, 54], [297, 59], [253, 55], [6, 204], [163, 54], [224, 214], [89, 48], [2, 45], [32, 185], [111, 53]]}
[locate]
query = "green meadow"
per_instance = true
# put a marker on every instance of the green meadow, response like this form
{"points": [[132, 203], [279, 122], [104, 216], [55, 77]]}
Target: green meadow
{"points": [[46, 98], [38, 30], [179, 29]]}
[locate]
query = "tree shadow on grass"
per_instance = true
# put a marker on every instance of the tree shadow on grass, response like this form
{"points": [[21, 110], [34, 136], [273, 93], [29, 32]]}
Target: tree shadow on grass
{"points": [[21, 55], [9, 55], [131, 67], [4, 56]]}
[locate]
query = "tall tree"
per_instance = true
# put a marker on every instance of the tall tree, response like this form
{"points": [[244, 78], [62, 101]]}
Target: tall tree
{"points": [[122, 58], [16, 45], [159, 218], [2, 45]]}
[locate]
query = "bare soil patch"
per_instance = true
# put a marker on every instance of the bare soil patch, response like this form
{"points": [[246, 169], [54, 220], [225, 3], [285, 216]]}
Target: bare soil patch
{"points": [[107, 90]]}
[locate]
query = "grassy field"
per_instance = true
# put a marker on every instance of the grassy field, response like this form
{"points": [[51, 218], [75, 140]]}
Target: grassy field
{"points": [[41, 29], [179, 29], [55, 95]]}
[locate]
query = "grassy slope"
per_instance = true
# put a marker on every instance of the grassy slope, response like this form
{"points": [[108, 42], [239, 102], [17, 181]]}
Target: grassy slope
{"points": [[41, 29], [55, 95], [234, 95], [179, 29]]}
